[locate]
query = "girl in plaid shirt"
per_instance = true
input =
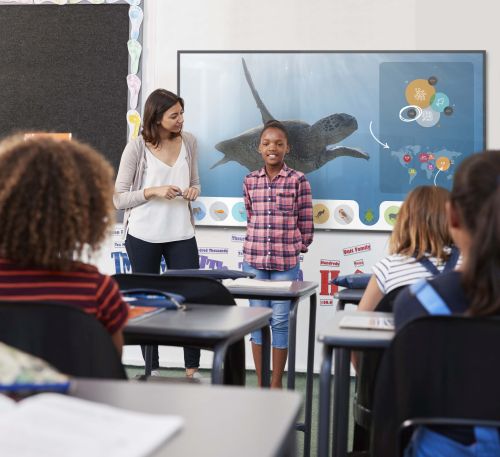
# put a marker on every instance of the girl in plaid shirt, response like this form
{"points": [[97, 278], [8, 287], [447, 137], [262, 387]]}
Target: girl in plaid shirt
{"points": [[280, 226]]}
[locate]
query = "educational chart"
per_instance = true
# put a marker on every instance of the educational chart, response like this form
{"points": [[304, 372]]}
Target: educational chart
{"points": [[365, 127]]}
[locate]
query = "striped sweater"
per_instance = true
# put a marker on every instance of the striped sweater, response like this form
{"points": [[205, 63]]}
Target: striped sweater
{"points": [[84, 288], [398, 270]]}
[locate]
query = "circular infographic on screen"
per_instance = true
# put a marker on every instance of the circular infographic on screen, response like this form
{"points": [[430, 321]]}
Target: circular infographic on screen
{"points": [[429, 117], [239, 212], [391, 214], [199, 210], [321, 213], [219, 211], [343, 214]]}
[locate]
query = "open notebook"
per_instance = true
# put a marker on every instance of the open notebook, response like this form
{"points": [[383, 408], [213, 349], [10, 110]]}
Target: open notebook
{"points": [[248, 283], [55, 425], [367, 322]]}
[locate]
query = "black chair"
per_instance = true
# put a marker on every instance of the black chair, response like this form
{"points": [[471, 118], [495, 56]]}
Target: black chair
{"points": [[72, 341], [199, 290], [436, 367]]}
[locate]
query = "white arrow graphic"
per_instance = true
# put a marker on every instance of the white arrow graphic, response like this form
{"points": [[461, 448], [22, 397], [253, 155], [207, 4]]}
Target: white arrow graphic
{"points": [[385, 145], [435, 177]]}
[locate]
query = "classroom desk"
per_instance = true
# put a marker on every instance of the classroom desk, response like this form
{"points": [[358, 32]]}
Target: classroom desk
{"points": [[297, 291], [351, 296], [207, 326], [342, 340], [219, 421]]}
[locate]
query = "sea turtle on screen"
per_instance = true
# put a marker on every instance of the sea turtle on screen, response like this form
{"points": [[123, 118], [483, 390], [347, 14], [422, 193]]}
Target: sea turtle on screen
{"points": [[311, 146]]}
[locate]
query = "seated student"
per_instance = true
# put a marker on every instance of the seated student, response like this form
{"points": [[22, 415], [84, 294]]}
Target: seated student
{"points": [[420, 246], [474, 289], [55, 209]]}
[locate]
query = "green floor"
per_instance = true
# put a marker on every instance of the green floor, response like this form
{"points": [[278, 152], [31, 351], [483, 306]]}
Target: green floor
{"points": [[300, 386]]}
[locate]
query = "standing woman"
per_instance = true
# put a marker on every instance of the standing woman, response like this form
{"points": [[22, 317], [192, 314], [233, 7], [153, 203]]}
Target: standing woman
{"points": [[156, 181]]}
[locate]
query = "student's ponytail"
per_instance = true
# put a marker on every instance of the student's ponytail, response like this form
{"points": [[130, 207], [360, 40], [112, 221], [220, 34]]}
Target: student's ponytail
{"points": [[481, 277]]}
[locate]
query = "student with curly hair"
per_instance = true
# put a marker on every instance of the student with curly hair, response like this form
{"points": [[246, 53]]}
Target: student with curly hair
{"points": [[56, 208]]}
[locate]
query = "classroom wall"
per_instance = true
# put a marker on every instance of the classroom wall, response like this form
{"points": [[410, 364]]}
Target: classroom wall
{"points": [[315, 25]]}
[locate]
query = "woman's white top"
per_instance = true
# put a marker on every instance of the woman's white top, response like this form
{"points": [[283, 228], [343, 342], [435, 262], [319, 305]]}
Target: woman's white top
{"points": [[398, 270], [159, 220]]}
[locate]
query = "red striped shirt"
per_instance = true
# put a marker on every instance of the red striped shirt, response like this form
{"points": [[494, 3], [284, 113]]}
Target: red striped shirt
{"points": [[84, 288]]}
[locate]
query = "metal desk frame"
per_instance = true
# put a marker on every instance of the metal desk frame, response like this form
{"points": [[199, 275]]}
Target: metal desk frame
{"points": [[218, 338], [345, 296], [298, 290], [342, 340]]}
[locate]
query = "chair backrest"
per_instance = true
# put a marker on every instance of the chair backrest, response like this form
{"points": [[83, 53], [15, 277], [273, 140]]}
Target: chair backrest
{"points": [[200, 290], [196, 289], [70, 340], [436, 366], [386, 304]]}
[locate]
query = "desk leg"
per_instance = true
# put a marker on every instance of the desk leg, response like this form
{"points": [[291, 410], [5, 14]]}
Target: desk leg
{"points": [[292, 342], [309, 375], [325, 387], [341, 387], [266, 356], [148, 356], [218, 363]]}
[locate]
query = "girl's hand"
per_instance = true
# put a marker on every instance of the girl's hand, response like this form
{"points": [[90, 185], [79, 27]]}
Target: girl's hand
{"points": [[191, 194], [167, 192]]}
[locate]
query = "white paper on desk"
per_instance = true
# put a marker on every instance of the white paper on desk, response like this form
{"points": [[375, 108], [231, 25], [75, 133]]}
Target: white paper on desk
{"points": [[52, 425], [367, 322], [257, 283]]}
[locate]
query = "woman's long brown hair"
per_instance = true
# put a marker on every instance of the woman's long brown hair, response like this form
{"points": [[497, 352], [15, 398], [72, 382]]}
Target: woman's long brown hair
{"points": [[159, 101]]}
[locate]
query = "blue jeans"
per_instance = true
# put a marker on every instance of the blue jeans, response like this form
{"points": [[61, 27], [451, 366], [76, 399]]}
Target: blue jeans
{"points": [[281, 308]]}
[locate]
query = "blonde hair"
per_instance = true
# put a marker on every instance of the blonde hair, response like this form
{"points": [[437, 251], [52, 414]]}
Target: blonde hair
{"points": [[421, 226]]}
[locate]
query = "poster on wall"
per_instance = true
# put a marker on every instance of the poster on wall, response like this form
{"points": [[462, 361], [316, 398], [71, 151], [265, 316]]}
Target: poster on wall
{"points": [[365, 127]]}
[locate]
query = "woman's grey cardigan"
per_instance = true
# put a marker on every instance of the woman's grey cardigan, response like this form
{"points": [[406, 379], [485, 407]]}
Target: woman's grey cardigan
{"points": [[129, 191]]}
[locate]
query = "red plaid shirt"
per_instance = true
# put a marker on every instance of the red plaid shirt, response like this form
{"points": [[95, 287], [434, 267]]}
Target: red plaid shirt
{"points": [[280, 219]]}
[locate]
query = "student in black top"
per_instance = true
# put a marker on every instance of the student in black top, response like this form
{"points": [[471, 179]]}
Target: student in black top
{"points": [[474, 289]]}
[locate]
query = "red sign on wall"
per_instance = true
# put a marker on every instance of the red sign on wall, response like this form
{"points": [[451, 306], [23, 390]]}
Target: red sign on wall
{"points": [[326, 276]]}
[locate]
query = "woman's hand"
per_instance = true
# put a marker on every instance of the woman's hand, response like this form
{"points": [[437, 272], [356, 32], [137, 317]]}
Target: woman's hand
{"points": [[191, 194], [168, 192]]}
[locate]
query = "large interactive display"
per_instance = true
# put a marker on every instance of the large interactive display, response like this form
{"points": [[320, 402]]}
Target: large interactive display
{"points": [[365, 127]]}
